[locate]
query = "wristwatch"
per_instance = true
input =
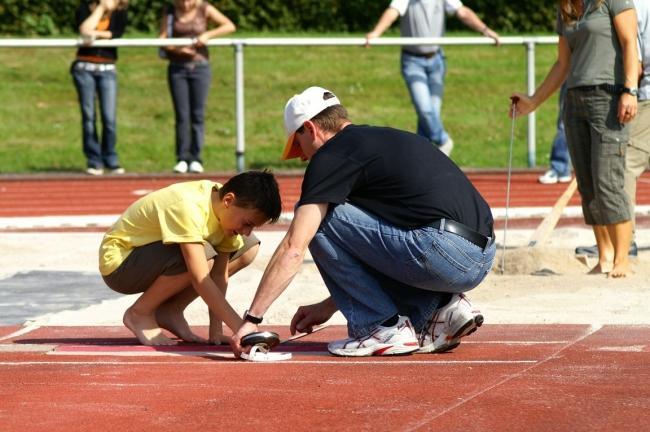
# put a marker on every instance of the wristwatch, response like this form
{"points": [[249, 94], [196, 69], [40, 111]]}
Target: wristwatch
{"points": [[252, 318], [631, 91]]}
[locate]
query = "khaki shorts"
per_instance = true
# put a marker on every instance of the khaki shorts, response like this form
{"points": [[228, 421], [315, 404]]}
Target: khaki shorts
{"points": [[146, 263]]}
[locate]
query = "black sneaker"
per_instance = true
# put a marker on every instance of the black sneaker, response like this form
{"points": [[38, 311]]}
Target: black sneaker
{"points": [[592, 251]]}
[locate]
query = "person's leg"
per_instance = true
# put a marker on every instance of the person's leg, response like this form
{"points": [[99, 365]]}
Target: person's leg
{"points": [[424, 80], [637, 157], [85, 84], [200, 80], [428, 261], [179, 89], [107, 91], [560, 160], [610, 206]]}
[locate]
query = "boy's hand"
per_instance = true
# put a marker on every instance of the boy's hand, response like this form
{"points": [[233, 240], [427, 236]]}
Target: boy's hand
{"points": [[246, 328]]}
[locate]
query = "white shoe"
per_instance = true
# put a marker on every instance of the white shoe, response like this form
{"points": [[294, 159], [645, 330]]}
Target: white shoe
{"points": [[551, 177], [180, 167], [196, 167], [94, 171], [449, 324], [395, 340], [118, 170], [447, 146]]}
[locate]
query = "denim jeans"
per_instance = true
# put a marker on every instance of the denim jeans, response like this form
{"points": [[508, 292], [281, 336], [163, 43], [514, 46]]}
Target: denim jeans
{"points": [[560, 159], [374, 269], [104, 84], [425, 79], [189, 84]]}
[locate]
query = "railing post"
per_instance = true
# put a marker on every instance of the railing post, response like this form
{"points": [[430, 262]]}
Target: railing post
{"points": [[239, 106], [530, 69]]}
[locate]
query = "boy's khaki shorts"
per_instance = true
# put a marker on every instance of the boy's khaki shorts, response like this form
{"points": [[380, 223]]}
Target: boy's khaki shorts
{"points": [[145, 263]]}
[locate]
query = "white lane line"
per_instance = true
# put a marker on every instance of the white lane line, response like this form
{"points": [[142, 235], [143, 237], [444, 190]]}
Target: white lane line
{"points": [[429, 421], [334, 361], [28, 328]]}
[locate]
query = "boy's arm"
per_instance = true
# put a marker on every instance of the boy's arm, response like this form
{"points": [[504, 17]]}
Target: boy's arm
{"points": [[197, 266], [219, 275]]}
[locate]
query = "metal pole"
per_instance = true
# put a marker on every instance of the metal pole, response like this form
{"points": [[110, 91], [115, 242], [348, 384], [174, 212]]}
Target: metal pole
{"points": [[239, 106], [530, 68]]}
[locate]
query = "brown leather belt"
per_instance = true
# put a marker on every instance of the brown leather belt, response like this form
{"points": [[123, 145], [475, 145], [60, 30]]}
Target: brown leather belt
{"points": [[423, 55]]}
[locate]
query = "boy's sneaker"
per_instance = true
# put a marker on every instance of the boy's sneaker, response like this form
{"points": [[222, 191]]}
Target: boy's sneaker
{"points": [[455, 320], [196, 167], [395, 340], [551, 177], [180, 167]]}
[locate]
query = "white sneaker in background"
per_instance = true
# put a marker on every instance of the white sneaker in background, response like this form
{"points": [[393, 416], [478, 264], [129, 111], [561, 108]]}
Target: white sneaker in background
{"points": [[196, 167], [552, 177], [447, 146], [94, 171], [455, 320], [180, 167], [394, 340]]}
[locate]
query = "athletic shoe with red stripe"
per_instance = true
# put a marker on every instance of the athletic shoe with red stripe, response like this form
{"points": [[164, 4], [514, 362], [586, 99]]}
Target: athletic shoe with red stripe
{"points": [[449, 324], [394, 340]]}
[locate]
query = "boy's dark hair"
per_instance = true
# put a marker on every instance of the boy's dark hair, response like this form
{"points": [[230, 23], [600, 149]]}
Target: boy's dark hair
{"points": [[255, 190]]}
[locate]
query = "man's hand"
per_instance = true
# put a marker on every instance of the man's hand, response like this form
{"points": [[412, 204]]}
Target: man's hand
{"points": [[627, 107], [306, 317], [246, 328], [523, 106]]}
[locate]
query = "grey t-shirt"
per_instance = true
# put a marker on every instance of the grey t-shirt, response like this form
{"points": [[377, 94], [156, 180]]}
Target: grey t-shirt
{"points": [[596, 54], [424, 18], [643, 17]]}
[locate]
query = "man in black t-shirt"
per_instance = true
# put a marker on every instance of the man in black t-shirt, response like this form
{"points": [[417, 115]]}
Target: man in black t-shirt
{"points": [[395, 228]]}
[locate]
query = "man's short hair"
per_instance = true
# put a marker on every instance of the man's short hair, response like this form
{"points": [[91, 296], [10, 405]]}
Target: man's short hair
{"points": [[255, 190], [331, 118]]}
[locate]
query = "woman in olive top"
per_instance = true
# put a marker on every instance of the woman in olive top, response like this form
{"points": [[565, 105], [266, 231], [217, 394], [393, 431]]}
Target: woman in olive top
{"points": [[597, 55]]}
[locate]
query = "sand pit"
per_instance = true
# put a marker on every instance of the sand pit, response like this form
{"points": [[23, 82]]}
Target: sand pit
{"points": [[540, 261]]}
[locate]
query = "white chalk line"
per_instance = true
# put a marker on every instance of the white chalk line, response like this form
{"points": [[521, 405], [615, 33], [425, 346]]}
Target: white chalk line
{"points": [[591, 330], [334, 361], [27, 329]]}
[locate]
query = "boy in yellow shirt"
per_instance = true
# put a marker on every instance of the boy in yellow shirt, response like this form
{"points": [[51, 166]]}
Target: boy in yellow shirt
{"points": [[186, 240]]}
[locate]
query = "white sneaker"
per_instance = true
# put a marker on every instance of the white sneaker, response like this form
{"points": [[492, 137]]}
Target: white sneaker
{"points": [[180, 167], [551, 177], [118, 170], [196, 167], [94, 171], [395, 340], [447, 146], [455, 320]]}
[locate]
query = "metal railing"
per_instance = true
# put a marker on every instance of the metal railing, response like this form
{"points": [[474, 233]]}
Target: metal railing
{"points": [[529, 42]]}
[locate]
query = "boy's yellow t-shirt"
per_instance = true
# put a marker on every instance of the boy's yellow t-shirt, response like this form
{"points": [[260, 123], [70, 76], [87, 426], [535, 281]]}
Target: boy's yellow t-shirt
{"points": [[180, 213]]}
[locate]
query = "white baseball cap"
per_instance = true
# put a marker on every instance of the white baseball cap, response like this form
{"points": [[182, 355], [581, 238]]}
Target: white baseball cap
{"points": [[299, 109]]}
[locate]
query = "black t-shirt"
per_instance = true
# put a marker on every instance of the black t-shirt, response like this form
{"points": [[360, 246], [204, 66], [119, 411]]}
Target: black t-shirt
{"points": [[397, 175], [117, 25]]}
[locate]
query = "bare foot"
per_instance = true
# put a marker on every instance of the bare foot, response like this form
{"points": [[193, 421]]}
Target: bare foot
{"points": [[220, 339], [145, 328], [601, 268], [174, 321], [620, 270]]}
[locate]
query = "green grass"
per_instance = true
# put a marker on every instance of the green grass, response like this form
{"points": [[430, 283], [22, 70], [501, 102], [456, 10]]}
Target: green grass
{"points": [[40, 120]]}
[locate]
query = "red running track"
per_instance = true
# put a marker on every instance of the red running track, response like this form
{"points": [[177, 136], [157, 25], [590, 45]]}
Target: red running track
{"points": [[533, 378], [83, 195]]}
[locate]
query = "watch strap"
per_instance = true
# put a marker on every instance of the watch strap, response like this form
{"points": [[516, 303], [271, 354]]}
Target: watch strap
{"points": [[252, 318]]}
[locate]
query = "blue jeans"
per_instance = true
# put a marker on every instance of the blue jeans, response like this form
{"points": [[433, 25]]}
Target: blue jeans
{"points": [[189, 84], [374, 270], [560, 159], [425, 79], [104, 84]]}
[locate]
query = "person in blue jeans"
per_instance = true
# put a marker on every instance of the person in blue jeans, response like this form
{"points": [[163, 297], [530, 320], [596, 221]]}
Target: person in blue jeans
{"points": [[396, 229], [423, 66], [189, 75], [560, 171], [94, 73]]}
